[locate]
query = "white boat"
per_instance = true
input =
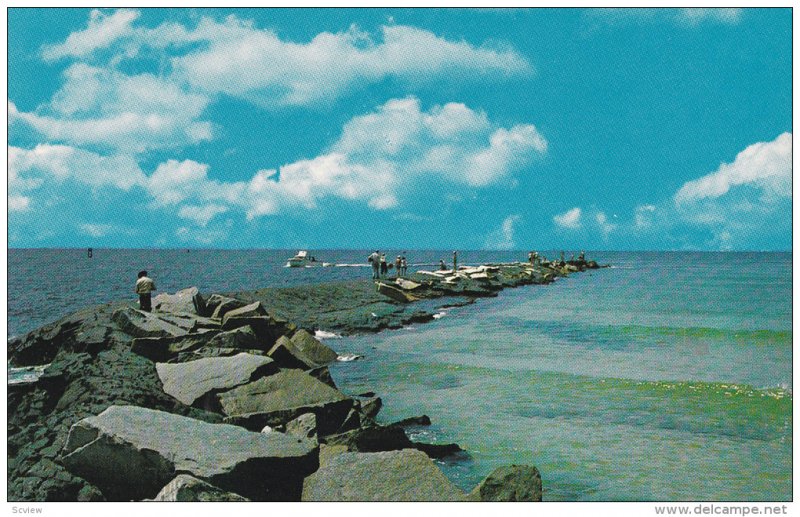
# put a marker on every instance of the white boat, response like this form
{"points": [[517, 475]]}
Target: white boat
{"points": [[302, 259]]}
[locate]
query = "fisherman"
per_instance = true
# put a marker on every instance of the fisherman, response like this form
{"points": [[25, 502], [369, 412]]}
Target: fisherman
{"points": [[442, 265], [404, 264], [455, 261], [562, 259], [374, 259], [530, 257], [398, 265], [582, 256], [384, 266], [144, 286]]}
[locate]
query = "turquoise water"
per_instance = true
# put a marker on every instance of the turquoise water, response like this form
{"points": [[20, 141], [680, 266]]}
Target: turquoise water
{"points": [[667, 377]]}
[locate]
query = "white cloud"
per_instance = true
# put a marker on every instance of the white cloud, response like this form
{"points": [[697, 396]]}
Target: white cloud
{"points": [[102, 31], [96, 229], [695, 16], [236, 58], [18, 203], [570, 219], [503, 237], [29, 168], [687, 17], [103, 107], [643, 217], [201, 214], [606, 227], [766, 166]]}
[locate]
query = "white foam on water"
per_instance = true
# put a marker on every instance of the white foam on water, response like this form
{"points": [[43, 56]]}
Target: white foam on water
{"points": [[324, 334], [346, 358], [439, 315]]}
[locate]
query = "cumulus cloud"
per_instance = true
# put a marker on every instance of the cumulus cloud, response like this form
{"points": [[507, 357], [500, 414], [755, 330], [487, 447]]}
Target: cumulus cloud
{"points": [[605, 226], [103, 30], [766, 166], [570, 219], [105, 108], [30, 168], [236, 58], [503, 237]]}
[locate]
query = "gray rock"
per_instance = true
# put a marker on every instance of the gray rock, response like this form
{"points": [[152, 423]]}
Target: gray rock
{"points": [[371, 407], [405, 475], [287, 356], [304, 426], [217, 305], [279, 398], [144, 324], [248, 311], [510, 483], [242, 337], [194, 383], [209, 351], [186, 300], [130, 453], [162, 349], [312, 348], [186, 488]]}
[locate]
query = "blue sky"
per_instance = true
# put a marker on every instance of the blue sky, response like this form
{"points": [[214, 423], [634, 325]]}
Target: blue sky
{"points": [[663, 129]]}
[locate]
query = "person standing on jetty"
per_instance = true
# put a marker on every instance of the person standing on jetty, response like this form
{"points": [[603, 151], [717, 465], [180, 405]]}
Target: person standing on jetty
{"points": [[455, 261], [145, 286], [403, 264], [398, 266], [384, 266], [375, 259]]}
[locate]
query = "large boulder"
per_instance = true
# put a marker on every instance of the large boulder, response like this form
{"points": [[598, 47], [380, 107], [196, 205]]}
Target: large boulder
{"points": [[287, 356], [405, 475], [375, 437], [279, 398], [510, 483], [185, 488], [247, 311], [162, 349], [185, 301], [242, 337], [130, 453], [196, 382], [217, 305], [312, 348], [144, 324]]}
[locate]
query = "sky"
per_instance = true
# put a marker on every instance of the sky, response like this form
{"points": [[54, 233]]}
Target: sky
{"points": [[508, 129]]}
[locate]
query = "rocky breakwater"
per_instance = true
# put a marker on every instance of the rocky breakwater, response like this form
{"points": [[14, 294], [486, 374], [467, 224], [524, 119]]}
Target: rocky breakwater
{"points": [[212, 399]]}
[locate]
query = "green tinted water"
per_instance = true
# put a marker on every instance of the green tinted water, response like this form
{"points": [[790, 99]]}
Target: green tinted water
{"points": [[651, 381]]}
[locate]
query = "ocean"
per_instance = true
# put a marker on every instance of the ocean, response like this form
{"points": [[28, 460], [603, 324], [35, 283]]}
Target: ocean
{"points": [[665, 377]]}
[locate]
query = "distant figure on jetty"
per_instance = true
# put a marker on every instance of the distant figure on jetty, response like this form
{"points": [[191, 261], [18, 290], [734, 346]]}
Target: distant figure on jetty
{"points": [[455, 261], [582, 256], [398, 265], [403, 264], [562, 259], [375, 259], [384, 266], [442, 265], [89, 252], [533, 258], [144, 286]]}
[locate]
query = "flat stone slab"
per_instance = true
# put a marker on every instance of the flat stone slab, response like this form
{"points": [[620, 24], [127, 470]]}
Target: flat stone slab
{"points": [[242, 337], [194, 382], [130, 453], [313, 349], [186, 488], [144, 324], [280, 398], [162, 349], [217, 305], [185, 300], [405, 475]]}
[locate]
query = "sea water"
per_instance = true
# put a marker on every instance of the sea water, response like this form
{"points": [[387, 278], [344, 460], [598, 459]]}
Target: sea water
{"points": [[665, 377]]}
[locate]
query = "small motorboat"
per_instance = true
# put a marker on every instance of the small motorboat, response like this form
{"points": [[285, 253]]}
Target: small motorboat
{"points": [[303, 259]]}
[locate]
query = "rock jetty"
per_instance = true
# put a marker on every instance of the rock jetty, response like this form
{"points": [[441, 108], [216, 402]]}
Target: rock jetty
{"points": [[228, 397]]}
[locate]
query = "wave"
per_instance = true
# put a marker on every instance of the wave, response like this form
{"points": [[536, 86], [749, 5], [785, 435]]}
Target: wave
{"points": [[324, 334]]}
